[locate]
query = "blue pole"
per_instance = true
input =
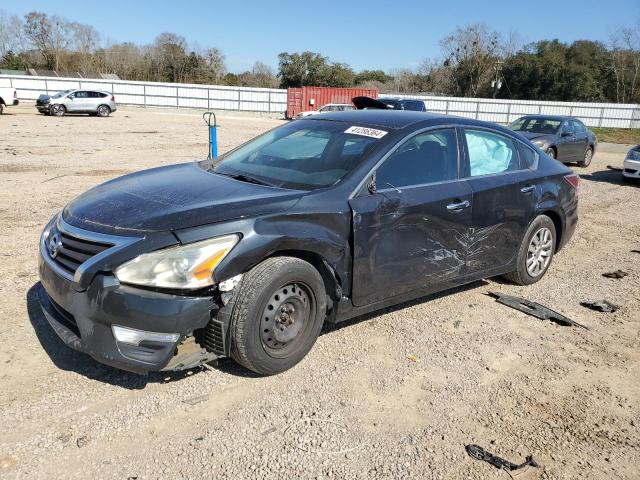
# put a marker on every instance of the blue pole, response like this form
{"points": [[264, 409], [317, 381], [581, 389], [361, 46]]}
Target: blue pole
{"points": [[213, 134]]}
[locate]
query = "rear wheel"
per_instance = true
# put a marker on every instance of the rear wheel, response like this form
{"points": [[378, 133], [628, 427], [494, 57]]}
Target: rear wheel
{"points": [[103, 111], [588, 156], [279, 311], [58, 110], [535, 253]]}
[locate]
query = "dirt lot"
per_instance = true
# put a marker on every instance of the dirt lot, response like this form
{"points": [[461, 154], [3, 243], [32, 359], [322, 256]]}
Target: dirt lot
{"points": [[395, 395]]}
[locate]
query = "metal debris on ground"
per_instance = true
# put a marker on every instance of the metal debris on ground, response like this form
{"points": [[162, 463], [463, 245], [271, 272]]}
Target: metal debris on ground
{"points": [[615, 274], [535, 309], [479, 453], [635, 251], [600, 306]]}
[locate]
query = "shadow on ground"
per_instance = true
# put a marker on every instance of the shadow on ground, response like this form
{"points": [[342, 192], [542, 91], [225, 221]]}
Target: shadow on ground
{"points": [[608, 176], [68, 359]]}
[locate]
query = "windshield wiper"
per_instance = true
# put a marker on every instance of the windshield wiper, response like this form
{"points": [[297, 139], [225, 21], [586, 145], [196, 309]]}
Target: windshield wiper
{"points": [[244, 178]]}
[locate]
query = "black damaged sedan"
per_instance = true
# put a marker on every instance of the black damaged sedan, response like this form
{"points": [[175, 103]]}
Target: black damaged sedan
{"points": [[322, 219]]}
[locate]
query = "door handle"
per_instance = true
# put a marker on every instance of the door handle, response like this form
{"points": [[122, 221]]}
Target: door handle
{"points": [[457, 206], [528, 189]]}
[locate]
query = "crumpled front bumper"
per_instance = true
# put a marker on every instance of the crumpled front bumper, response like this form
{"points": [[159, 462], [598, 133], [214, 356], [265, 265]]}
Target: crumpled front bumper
{"points": [[83, 320]]}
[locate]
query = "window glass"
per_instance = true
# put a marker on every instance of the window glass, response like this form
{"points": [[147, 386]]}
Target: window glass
{"points": [[426, 158], [82, 94], [490, 153], [414, 105], [535, 125], [304, 154], [528, 156], [578, 127]]}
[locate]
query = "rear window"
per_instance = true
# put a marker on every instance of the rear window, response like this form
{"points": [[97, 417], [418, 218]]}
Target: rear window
{"points": [[305, 154], [536, 125], [414, 105]]}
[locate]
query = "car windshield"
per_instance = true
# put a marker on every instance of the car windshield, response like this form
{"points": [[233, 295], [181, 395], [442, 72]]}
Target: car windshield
{"points": [[536, 125], [305, 154], [60, 94]]}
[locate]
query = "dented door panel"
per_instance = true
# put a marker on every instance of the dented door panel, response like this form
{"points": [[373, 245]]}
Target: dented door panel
{"points": [[408, 239]]}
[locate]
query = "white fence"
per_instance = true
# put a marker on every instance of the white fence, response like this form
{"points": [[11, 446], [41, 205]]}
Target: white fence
{"points": [[271, 100], [506, 111], [155, 94]]}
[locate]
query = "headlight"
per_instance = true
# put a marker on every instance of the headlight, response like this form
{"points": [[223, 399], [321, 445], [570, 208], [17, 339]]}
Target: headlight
{"points": [[540, 143], [185, 267]]}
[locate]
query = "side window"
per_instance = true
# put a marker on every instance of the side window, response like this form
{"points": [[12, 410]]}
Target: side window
{"points": [[426, 158], [82, 94], [578, 127], [528, 157], [490, 153]]}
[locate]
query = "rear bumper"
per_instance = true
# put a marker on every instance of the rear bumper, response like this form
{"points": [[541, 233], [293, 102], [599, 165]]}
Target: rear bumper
{"points": [[15, 102], [83, 320]]}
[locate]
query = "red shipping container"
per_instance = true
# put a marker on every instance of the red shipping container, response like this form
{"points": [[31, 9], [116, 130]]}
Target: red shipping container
{"points": [[303, 99]]}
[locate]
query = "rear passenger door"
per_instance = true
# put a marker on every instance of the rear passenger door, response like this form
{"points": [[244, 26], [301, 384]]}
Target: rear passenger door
{"points": [[504, 199], [581, 138], [410, 232]]}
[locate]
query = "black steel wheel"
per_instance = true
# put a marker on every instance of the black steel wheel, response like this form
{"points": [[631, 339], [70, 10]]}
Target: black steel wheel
{"points": [[279, 309]]}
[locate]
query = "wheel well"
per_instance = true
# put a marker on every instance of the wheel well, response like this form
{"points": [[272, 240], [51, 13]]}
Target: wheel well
{"points": [[332, 283], [2, 101], [557, 222]]}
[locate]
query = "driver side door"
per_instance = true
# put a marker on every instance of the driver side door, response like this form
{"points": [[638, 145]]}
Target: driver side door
{"points": [[410, 231]]}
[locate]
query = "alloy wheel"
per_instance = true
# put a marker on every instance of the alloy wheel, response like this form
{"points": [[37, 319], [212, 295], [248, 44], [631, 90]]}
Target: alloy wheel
{"points": [[539, 252]]}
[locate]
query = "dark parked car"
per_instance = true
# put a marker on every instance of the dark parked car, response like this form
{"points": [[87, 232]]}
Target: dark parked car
{"points": [[564, 138], [323, 219], [404, 104]]}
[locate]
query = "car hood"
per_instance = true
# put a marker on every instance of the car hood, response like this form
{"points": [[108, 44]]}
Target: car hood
{"points": [[171, 198], [537, 136]]}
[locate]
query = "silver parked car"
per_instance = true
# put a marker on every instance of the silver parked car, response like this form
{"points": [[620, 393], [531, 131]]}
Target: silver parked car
{"points": [[93, 102]]}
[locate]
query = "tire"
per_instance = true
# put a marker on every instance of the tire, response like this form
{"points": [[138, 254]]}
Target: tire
{"points": [[103, 111], [547, 242], [58, 110], [552, 153], [1, 108], [588, 156], [278, 314]]}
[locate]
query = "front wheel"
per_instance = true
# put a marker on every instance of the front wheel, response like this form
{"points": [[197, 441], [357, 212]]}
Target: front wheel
{"points": [[58, 110], [588, 156], [535, 253], [278, 314]]}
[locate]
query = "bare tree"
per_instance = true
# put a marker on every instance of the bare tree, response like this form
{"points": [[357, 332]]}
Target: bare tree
{"points": [[625, 63], [471, 52], [12, 37], [85, 40], [50, 35]]}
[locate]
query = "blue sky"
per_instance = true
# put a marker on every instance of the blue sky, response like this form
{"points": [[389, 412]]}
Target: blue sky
{"points": [[365, 34]]}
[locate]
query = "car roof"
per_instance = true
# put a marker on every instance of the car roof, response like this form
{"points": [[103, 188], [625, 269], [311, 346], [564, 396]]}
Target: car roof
{"points": [[551, 117], [398, 119]]}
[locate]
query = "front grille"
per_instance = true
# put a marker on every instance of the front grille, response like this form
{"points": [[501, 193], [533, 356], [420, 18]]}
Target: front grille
{"points": [[65, 318], [74, 251], [212, 338]]}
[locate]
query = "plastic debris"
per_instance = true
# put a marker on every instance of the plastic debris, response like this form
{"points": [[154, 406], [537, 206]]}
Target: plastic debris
{"points": [[479, 453], [615, 274], [600, 306], [535, 309]]}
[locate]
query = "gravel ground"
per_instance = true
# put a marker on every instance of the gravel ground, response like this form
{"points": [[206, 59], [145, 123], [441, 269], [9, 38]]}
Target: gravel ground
{"points": [[397, 394]]}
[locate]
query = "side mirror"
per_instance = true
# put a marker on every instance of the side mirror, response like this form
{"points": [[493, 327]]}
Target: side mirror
{"points": [[568, 133]]}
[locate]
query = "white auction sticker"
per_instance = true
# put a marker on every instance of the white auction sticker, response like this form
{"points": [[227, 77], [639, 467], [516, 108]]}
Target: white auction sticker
{"points": [[367, 132]]}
